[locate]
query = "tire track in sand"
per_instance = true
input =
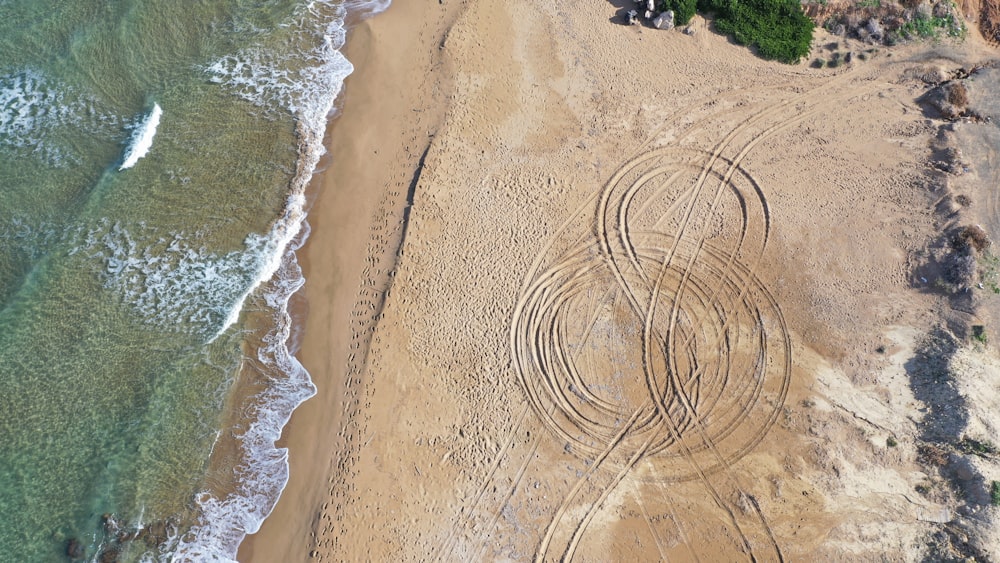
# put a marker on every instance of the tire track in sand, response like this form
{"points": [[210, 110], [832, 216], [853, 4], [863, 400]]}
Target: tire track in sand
{"points": [[687, 122], [696, 372]]}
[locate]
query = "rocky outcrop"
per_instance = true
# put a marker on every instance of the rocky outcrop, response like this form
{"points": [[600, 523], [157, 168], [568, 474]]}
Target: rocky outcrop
{"points": [[664, 20]]}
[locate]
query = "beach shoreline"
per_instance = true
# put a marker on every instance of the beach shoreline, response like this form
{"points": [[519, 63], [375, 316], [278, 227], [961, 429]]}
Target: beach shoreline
{"points": [[383, 123]]}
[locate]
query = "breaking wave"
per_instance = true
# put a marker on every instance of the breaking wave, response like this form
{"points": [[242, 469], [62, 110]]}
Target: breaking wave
{"points": [[142, 141]]}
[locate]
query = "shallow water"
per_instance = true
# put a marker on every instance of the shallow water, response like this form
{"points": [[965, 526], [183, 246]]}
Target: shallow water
{"points": [[133, 257]]}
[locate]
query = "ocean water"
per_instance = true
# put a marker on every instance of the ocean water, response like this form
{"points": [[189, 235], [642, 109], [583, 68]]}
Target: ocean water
{"points": [[153, 161]]}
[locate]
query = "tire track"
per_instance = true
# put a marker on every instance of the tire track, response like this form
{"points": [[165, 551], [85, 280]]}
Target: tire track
{"points": [[571, 279], [538, 335]]}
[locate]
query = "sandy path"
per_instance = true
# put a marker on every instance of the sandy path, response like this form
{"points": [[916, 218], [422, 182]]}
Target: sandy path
{"points": [[655, 299]]}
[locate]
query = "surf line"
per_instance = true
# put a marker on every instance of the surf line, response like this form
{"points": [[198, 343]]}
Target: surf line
{"points": [[143, 138]]}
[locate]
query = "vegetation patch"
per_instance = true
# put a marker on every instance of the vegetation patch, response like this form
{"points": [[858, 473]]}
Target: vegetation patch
{"points": [[922, 27], [933, 454], [777, 29], [684, 10], [995, 493], [990, 265], [979, 334], [977, 447]]}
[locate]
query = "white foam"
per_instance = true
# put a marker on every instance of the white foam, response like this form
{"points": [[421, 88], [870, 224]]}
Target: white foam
{"points": [[33, 108], [224, 522], [142, 141], [305, 87]]}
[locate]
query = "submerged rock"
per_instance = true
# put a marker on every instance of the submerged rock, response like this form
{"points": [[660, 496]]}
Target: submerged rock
{"points": [[75, 549]]}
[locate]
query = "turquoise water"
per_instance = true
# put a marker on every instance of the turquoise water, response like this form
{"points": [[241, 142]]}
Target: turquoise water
{"points": [[136, 300]]}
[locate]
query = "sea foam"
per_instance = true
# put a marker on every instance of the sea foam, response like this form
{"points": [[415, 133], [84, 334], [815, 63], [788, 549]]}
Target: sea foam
{"points": [[302, 84], [142, 141], [37, 113]]}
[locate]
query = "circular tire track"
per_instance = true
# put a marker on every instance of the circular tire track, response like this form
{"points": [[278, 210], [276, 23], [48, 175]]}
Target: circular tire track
{"points": [[688, 362], [718, 354]]}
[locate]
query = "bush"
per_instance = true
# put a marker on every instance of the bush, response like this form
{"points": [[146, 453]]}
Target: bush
{"points": [[778, 29], [995, 493], [683, 10], [972, 237], [958, 95]]}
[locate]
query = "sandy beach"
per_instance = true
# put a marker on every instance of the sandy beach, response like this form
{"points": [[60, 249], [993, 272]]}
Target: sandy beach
{"points": [[589, 291]]}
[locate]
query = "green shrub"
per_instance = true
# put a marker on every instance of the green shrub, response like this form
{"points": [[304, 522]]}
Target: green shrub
{"points": [[683, 10], [980, 448], [995, 493], [778, 29]]}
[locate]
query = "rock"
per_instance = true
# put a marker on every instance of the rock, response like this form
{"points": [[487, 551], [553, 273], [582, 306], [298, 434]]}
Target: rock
{"points": [[840, 30], [649, 14], [935, 75], [964, 473], [664, 20], [936, 514], [924, 10], [689, 30], [848, 57], [875, 31], [942, 9], [109, 555], [632, 17], [951, 99], [651, 5], [74, 549]]}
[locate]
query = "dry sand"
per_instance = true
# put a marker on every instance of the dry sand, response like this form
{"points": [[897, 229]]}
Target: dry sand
{"points": [[655, 298]]}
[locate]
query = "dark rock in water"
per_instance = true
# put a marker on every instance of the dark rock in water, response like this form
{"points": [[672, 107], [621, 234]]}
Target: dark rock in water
{"points": [[155, 534], [109, 555], [124, 536], [110, 524], [75, 549]]}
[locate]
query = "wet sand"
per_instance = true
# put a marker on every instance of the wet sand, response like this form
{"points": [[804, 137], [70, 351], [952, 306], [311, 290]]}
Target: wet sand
{"points": [[389, 107]]}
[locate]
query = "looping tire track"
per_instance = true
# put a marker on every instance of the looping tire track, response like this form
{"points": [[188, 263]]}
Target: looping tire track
{"points": [[674, 402]]}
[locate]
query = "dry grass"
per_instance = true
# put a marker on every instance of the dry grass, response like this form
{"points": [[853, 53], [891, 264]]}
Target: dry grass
{"points": [[973, 237], [958, 94], [989, 21], [933, 455]]}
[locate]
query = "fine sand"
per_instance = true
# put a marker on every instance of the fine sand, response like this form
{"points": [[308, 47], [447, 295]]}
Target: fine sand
{"points": [[654, 298]]}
